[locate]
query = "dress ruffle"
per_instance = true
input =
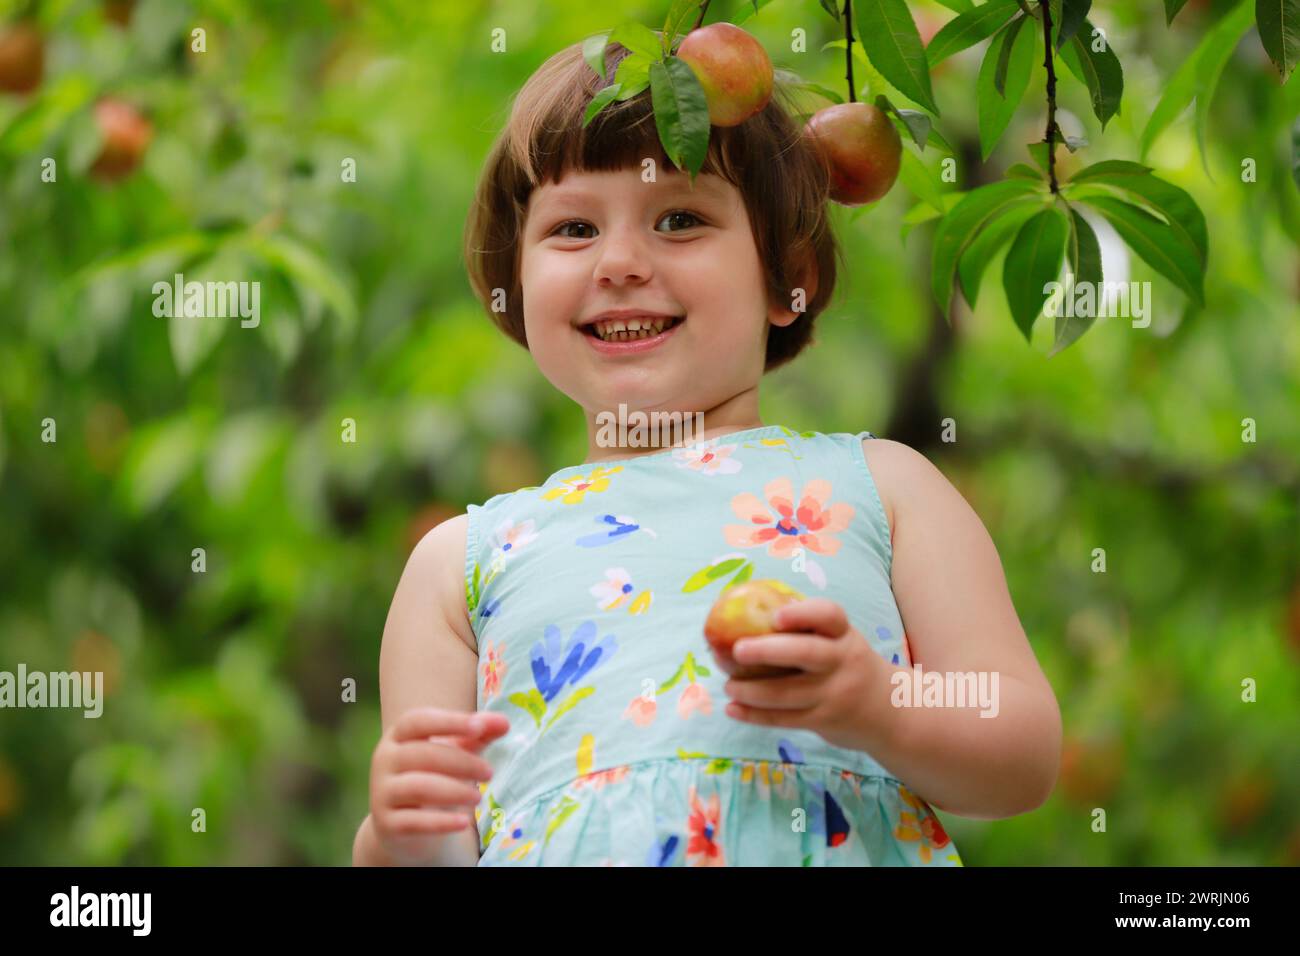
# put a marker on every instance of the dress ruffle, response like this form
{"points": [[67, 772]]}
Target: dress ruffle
{"points": [[718, 812]]}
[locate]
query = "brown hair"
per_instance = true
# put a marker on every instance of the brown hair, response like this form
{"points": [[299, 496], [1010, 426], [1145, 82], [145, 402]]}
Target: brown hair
{"points": [[784, 184]]}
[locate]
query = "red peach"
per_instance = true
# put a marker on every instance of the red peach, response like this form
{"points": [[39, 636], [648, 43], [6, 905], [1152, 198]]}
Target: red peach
{"points": [[747, 610], [732, 67], [861, 148]]}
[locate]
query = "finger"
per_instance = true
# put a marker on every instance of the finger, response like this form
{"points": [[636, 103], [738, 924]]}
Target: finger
{"points": [[819, 615], [421, 822], [797, 692], [430, 791], [421, 722], [788, 650], [440, 758], [770, 718]]}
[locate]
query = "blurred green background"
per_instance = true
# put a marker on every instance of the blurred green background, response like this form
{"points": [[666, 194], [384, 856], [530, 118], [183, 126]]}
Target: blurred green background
{"points": [[223, 687]]}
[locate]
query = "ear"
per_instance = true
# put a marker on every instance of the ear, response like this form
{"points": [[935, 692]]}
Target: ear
{"points": [[783, 313]]}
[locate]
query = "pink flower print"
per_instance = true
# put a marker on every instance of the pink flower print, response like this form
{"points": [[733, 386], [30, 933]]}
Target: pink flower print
{"points": [[494, 668], [694, 697], [510, 537], [641, 711], [601, 778], [704, 848], [811, 523], [708, 457], [575, 487], [616, 591]]}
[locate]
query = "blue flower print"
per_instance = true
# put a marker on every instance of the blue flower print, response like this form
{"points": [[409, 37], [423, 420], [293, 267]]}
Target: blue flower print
{"points": [[661, 854], [617, 527], [556, 666]]}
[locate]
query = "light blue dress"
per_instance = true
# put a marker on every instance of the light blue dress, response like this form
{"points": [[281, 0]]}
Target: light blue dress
{"points": [[587, 596]]}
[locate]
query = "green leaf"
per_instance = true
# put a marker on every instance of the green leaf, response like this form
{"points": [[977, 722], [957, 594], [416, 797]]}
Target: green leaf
{"points": [[569, 703], [996, 109], [193, 338], [1295, 152], [532, 702], [681, 113], [677, 22], [1084, 255], [160, 457], [1033, 261], [599, 101], [922, 212], [743, 575], [1211, 66], [1004, 54], [705, 576], [1073, 15], [671, 682], [934, 138], [968, 29], [1024, 171], [472, 590], [822, 91], [632, 76], [1173, 203], [1171, 9], [1279, 31], [638, 38], [957, 6], [892, 43], [593, 51], [1098, 69], [919, 181], [1197, 76], [557, 815], [1109, 168], [913, 122], [1159, 245], [1287, 191], [960, 226], [746, 9], [307, 269], [831, 7], [995, 235]]}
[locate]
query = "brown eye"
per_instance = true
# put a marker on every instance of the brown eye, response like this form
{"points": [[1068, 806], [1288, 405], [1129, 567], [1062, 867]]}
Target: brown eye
{"points": [[571, 222], [681, 212]]}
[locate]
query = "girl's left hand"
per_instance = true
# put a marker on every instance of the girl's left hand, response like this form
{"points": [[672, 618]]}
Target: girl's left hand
{"points": [[843, 692]]}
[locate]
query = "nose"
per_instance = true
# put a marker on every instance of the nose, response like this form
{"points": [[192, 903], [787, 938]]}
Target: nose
{"points": [[622, 258]]}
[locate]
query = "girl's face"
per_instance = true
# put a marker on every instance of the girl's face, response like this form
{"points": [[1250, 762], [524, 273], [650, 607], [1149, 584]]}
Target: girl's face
{"points": [[599, 241]]}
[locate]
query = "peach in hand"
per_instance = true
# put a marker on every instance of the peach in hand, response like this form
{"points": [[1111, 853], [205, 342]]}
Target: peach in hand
{"points": [[747, 610]]}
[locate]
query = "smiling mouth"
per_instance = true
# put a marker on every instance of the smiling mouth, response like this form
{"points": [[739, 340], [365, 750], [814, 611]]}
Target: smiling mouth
{"points": [[626, 336]]}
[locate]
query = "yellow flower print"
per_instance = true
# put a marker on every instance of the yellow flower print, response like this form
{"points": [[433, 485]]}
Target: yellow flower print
{"points": [[572, 489], [769, 776], [922, 825]]}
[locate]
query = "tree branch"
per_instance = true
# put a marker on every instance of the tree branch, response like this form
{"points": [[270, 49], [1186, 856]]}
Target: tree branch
{"points": [[1050, 135], [848, 47], [704, 8]]}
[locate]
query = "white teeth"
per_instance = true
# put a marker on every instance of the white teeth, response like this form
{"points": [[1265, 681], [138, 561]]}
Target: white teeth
{"points": [[622, 330]]}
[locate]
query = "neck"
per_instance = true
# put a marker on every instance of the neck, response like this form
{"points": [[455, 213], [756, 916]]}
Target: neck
{"points": [[738, 413]]}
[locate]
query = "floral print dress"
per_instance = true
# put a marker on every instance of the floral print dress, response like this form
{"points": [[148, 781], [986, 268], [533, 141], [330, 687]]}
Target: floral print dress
{"points": [[587, 596]]}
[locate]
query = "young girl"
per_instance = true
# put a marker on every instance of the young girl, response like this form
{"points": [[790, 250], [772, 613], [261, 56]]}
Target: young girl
{"points": [[544, 662]]}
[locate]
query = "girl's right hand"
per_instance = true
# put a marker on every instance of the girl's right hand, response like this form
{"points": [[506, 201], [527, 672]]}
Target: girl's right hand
{"points": [[423, 778]]}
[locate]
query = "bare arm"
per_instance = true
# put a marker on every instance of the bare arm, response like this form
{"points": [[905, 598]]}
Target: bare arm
{"points": [[426, 661], [958, 616]]}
